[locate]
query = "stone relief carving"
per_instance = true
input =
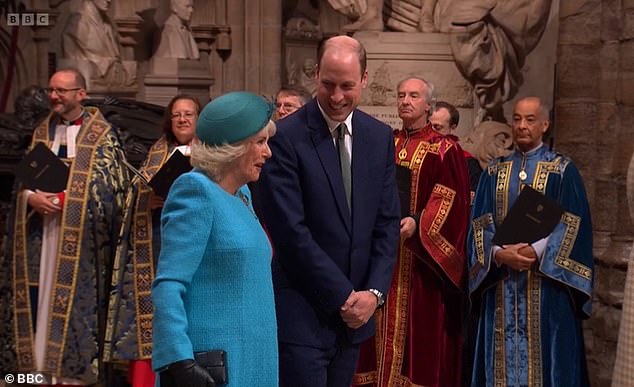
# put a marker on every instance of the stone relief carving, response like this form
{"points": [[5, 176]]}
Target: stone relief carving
{"points": [[381, 87], [304, 77], [176, 40], [488, 140], [400, 15], [90, 41], [490, 41], [302, 28], [368, 14]]}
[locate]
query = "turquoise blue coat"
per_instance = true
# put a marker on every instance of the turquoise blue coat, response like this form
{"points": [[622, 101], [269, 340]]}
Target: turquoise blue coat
{"points": [[213, 287]]}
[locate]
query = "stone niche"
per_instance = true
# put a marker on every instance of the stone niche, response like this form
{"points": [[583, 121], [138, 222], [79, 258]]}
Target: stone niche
{"points": [[168, 77], [393, 56]]}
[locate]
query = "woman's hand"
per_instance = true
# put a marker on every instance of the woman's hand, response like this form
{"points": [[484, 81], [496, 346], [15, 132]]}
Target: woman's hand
{"points": [[188, 373]]}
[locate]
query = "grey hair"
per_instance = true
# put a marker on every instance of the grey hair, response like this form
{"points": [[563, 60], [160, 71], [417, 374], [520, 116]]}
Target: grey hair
{"points": [[430, 95], [544, 109], [213, 159]]}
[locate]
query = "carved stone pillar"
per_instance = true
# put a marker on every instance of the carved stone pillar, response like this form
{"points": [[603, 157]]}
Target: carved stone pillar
{"points": [[42, 37], [168, 77], [128, 29], [255, 60]]}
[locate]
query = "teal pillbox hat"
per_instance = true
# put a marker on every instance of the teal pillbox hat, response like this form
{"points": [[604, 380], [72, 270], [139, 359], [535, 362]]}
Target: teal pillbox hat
{"points": [[232, 117]]}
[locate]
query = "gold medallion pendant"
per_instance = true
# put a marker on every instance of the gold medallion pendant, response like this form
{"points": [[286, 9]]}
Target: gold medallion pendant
{"points": [[523, 175]]}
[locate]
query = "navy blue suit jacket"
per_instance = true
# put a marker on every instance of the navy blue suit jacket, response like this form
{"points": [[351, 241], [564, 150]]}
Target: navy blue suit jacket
{"points": [[321, 250]]}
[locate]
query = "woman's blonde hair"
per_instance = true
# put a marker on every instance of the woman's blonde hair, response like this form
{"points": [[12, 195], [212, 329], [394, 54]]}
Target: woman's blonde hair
{"points": [[213, 159]]}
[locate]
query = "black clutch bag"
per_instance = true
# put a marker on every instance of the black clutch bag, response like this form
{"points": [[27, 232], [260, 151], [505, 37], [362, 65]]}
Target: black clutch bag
{"points": [[215, 362]]}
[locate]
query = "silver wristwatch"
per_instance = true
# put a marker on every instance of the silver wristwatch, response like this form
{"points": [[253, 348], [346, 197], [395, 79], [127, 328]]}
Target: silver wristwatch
{"points": [[379, 297]]}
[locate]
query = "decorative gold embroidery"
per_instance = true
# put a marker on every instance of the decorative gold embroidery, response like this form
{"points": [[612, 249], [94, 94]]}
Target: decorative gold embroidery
{"points": [[390, 342], [142, 251], [541, 173], [499, 350], [479, 225], [501, 191], [68, 252], [447, 194], [22, 323], [562, 259], [533, 301]]}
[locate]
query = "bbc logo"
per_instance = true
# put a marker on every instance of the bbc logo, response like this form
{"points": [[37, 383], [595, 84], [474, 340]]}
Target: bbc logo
{"points": [[27, 19]]}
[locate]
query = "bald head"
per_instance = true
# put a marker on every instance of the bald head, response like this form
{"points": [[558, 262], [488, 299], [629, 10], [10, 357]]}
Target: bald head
{"points": [[343, 44]]}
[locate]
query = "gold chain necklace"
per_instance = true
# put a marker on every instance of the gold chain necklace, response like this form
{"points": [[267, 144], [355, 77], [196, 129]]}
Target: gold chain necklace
{"points": [[402, 154]]}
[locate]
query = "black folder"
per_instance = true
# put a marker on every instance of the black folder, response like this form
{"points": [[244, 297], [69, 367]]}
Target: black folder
{"points": [[532, 217], [176, 165], [403, 181], [42, 169]]}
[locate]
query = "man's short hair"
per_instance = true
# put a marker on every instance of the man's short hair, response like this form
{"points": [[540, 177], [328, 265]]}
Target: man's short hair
{"points": [[454, 114], [430, 95], [80, 81], [324, 44], [295, 91]]}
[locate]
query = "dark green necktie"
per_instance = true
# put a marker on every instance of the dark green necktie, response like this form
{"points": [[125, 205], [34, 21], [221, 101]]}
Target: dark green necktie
{"points": [[344, 161]]}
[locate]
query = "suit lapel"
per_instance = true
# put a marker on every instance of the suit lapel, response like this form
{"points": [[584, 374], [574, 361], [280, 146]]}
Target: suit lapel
{"points": [[329, 159]]}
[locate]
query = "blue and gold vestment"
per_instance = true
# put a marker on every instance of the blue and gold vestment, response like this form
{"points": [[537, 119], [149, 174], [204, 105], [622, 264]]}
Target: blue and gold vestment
{"points": [[530, 322]]}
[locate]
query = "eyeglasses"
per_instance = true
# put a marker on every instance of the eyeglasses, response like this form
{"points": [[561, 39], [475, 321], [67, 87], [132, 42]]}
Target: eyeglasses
{"points": [[186, 115], [287, 106], [60, 91]]}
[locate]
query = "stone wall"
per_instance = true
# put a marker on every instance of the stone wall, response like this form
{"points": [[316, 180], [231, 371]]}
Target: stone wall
{"points": [[594, 124]]}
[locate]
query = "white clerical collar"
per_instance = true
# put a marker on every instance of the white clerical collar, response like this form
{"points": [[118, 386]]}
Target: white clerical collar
{"points": [[332, 124]]}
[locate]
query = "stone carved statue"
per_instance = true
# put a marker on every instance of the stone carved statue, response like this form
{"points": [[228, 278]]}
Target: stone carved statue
{"points": [[90, 40], [490, 42], [176, 40], [488, 140], [30, 106], [304, 78], [624, 365], [401, 15], [368, 14]]}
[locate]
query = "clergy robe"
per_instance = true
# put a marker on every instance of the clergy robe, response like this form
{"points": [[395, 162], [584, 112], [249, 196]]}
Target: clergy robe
{"points": [[529, 332], [79, 274], [418, 332], [129, 328]]}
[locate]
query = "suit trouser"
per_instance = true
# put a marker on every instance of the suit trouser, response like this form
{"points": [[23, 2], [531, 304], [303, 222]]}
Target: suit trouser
{"points": [[303, 366]]}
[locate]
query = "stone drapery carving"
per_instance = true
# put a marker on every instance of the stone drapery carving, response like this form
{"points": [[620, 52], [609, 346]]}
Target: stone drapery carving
{"points": [[490, 41], [400, 15], [90, 41], [488, 140], [176, 40]]}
